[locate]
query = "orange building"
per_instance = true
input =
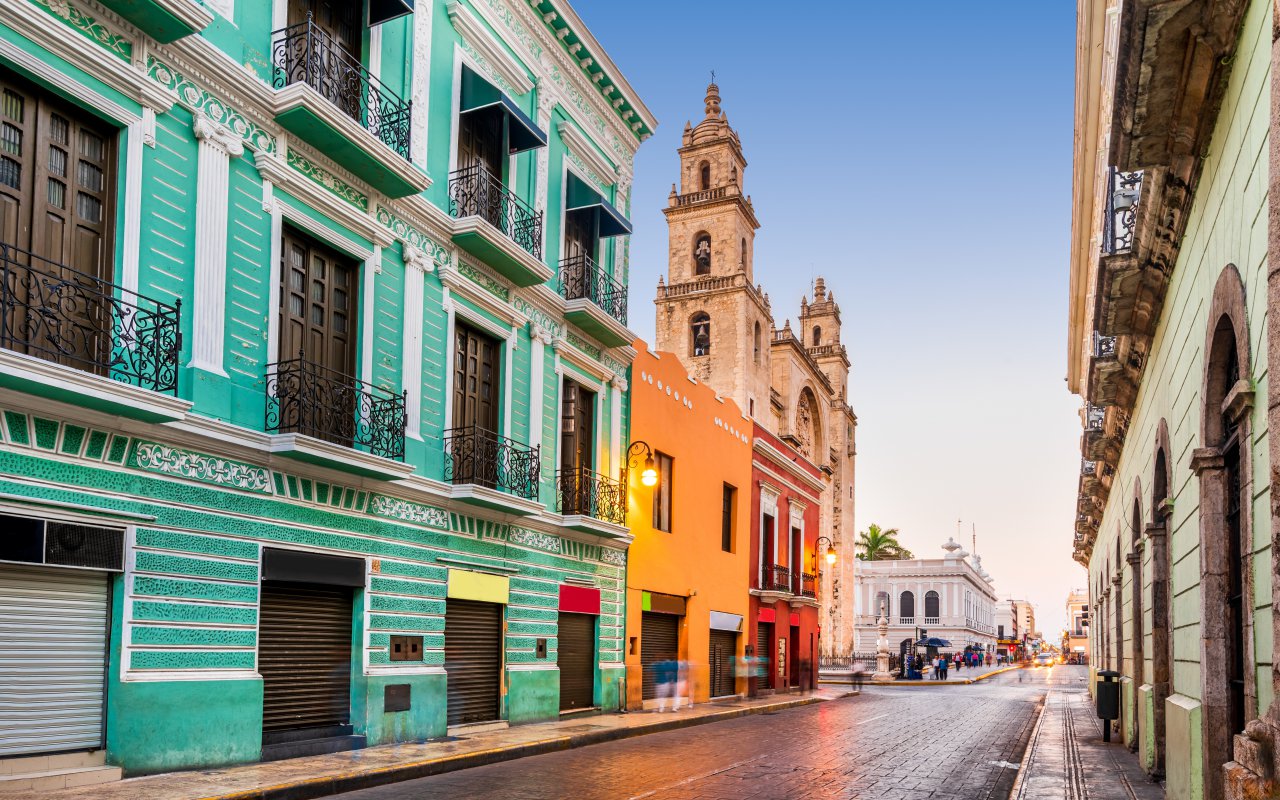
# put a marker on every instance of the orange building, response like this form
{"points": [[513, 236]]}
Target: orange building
{"points": [[687, 568]]}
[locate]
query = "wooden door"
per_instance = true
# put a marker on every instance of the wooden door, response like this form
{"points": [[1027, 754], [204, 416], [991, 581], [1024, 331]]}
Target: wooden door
{"points": [[334, 53], [318, 305], [577, 427], [57, 182], [476, 380]]}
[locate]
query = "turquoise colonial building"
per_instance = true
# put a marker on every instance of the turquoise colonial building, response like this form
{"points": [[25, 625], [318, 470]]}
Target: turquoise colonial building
{"points": [[313, 374]]}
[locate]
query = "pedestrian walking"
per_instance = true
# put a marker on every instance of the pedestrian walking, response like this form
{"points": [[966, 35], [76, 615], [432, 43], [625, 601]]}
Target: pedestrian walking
{"points": [[859, 674], [682, 682], [664, 678], [943, 661]]}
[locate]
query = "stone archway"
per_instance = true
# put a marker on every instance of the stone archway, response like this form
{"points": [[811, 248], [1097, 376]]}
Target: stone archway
{"points": [[1157, 533], [1222, 463], [1137, 630]]}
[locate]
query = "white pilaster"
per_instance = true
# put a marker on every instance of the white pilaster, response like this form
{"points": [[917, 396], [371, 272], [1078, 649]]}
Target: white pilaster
{"points": [[541, 337], [218, 145], [618, 386], [420, 84], [416, 265]]}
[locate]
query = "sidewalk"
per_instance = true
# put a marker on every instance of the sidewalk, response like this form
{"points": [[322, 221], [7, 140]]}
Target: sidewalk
{"points": [[962, 677], [320, 776], [1066, 758]]}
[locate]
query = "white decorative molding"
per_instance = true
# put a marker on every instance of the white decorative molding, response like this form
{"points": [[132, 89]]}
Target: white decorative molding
{"points": [[217, 146], [485, 42], [583, 148], [22, 368], [420, 86], [417, 264], [225, 8], [537, 381]]}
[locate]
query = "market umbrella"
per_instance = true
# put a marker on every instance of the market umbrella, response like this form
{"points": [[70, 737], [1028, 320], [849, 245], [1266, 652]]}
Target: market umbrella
{"points": [[933, 641]]}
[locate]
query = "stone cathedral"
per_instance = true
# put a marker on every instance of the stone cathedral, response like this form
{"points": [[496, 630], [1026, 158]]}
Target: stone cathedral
{"points": [[717, 319]]}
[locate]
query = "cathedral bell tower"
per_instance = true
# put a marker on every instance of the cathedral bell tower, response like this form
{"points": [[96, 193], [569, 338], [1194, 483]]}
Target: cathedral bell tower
{"points": [[709, 312]]}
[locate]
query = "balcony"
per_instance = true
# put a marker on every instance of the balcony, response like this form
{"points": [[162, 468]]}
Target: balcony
{"points": [[492, 471], [591, 502], [776, 578], [932, 621], [594, 301], [74, 337], [808, 585], [906, 620], [327, 98], [325, 417], [496, 226], [163, 20]]}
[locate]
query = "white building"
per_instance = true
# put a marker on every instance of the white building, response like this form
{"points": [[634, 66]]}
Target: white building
{"points": [[951, 597]]}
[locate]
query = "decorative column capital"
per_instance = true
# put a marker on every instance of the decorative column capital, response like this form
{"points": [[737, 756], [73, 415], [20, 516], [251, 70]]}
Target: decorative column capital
{"points": [[416, 259], [619, 383], [1206, 459], [540, 334], [220, 136]]}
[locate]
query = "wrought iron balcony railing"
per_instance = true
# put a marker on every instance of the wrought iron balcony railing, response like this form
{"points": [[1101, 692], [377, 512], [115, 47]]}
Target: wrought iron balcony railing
{"points": [[59, 314], [304, 397], [305, 53], [476, 192], [1104, 346], [474, 455], [808, 585], [776, 578], [1094, 417], [590, 494], [1123, 195], [580, 277]]}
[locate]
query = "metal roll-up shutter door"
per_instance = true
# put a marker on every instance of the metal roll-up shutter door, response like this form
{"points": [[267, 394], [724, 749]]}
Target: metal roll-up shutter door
{"points": [[304, 656], [576, 656], [659, 639], [473, 660], [723, 645], [764, 649], [53, 651]]}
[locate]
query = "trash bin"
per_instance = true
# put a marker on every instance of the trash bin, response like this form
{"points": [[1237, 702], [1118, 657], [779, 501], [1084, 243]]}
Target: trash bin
{"points": [[1106, 694]]}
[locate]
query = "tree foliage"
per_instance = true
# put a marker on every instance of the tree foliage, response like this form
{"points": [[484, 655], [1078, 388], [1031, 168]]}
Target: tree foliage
{"points": [[881, 544]]}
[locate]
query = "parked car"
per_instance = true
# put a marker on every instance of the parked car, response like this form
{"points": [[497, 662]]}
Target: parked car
{"points": [[1045, 660]]}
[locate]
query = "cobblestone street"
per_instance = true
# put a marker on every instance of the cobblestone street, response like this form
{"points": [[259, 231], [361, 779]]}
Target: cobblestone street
{"points": [[891, 743]]}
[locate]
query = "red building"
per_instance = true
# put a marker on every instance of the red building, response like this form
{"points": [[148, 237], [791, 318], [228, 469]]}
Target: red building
{"points": [[786, 491]]}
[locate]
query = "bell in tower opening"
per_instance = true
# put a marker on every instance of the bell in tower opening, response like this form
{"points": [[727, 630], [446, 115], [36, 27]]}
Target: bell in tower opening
{"points": [[702, 255]]}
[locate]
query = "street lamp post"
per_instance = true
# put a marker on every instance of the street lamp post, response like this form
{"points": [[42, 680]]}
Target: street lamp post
{"points": [[638, 453]]}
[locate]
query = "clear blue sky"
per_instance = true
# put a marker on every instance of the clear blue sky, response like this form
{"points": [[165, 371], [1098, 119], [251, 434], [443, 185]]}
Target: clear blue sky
{"points": [[917, 155]]}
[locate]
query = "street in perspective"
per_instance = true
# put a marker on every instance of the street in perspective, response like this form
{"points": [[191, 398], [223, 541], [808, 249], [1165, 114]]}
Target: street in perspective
{"points": [[493, 399]]}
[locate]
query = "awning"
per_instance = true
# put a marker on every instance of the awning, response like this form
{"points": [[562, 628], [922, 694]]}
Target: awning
{"points": [[478, 95], [724, 621], [582, 197], [933, 641]]}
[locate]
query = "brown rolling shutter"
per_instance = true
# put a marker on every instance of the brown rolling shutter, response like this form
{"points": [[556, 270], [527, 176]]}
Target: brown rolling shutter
{"points": [[473, 660], [659, 639], [304, 655], [576, 656], [723, 645], [764, 651]]}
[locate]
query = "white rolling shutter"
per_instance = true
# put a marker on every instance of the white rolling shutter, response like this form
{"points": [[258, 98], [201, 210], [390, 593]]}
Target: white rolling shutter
{"points": [[53, 649]]}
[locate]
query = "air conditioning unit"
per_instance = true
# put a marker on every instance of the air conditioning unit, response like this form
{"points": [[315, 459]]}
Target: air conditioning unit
{"points": [[30, 540]]}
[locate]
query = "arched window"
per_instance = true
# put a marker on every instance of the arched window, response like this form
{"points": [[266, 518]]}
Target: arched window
{"points": [[931, 605], [700, 334], [1161, 566], [702, 254], [817, 335], [742, 260], [755, 344], [1135, 606], [809, 425], [882, 604], [704, 177], [906, 607]]}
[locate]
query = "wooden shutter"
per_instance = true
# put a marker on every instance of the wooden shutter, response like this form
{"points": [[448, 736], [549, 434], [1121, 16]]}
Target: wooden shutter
{"points": [[304, 656], [577, 427], [659, 640], [318, 304], [723, 647], [472, 660], [476, 379], [480, 141], [765, 647], [576, 658]]}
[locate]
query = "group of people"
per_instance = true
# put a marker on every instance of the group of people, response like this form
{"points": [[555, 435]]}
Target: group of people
{"points": [[671, 680], [970, 658]]}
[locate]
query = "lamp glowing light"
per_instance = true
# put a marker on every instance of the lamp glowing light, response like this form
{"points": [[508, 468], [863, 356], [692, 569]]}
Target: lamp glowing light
{"points": [[831, 555], [649, 477]]}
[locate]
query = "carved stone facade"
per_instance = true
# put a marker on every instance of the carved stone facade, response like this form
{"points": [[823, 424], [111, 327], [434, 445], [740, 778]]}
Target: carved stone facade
{"points": [[718, 321]]}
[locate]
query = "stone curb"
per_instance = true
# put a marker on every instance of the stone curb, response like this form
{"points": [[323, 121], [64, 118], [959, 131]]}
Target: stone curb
{"points": [[1015, 792], [307, 789]]}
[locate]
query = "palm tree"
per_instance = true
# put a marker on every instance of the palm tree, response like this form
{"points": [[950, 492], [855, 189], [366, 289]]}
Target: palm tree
{"points": [[876, 544]]}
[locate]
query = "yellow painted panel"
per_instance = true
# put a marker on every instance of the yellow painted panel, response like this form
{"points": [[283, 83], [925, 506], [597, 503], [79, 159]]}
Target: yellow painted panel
{"points": [[467, 585]]}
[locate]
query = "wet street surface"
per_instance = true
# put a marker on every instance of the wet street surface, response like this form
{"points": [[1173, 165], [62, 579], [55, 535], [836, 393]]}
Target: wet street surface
{"points": [[895, 743]]}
